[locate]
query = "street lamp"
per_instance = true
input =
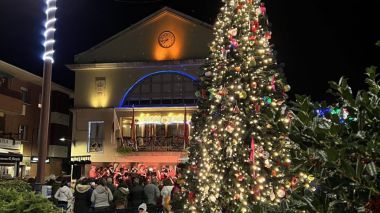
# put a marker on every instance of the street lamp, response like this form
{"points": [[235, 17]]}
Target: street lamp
{"points": [[43, 132], [63, 139]]}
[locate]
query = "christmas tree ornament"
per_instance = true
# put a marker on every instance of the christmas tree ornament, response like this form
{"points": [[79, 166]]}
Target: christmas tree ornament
{"points": [[257, 108], [253, 85], [236, 109], [232, 32], [234, 42], [229, 151], [268, 35], [212, 198], [252, 61], [281, 193], [240, 6], [263, 9], [242, 95], [230, 128], [223, 91], [272, 195], [252, 154], [237, 69], [287, 88], [208, 73]]}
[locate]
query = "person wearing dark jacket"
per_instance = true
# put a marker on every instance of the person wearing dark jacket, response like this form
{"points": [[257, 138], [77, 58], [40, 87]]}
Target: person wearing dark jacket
{"points": [[136, 195], [120, 197], [82, 196]]}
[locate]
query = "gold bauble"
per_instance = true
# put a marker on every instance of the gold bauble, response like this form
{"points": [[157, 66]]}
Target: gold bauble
{"points": [[287, 88], [253, 85]]}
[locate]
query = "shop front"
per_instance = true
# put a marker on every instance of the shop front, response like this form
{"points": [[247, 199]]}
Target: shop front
{"points": [[10, 165]]}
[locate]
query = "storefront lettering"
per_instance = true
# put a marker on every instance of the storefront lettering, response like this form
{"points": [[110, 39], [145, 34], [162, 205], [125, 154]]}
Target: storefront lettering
{"points": [[11, 159], [162, 119]]}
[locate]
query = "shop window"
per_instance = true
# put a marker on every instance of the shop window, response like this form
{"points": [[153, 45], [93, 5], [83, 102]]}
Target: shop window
{"points": [[23, 132], [95, 136]]}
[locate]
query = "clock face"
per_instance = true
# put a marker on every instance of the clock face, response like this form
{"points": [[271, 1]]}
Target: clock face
{"points": [[166, 39]]}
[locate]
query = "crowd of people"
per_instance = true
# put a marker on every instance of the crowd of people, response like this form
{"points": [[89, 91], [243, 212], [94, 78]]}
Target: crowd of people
{"points": [[121, 191]]}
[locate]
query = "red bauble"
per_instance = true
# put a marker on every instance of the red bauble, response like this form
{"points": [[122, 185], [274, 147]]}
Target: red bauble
{"points": [[239, 6], [252, 38], [223, 92], [294, 181], [268, 35]]}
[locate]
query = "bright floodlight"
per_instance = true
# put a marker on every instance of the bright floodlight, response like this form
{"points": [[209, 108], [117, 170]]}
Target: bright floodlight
{"points": [[49, 30]]}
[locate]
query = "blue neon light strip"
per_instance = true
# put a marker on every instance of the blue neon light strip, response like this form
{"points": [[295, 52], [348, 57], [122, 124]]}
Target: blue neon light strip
{"points": [[152, 74]]}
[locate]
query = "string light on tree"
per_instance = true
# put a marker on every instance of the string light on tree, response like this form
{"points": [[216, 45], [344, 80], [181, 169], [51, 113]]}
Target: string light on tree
{"points": [[240, 154]]}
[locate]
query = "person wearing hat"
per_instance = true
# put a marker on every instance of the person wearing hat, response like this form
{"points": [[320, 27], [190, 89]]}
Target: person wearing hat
{"points": [[142, 208]]}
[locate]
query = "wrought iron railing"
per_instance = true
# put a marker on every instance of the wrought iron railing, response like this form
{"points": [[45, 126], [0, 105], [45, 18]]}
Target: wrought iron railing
{"points": [[172, 143]]}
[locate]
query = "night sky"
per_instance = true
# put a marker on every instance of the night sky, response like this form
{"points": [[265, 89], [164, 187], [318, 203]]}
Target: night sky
{"points": [[318, 41]]}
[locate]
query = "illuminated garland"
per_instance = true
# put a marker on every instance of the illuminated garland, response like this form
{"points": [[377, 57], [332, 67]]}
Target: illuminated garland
{"points": [[49, 31], [342, 113]]}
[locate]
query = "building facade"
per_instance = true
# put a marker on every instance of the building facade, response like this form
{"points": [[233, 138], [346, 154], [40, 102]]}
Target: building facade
{"points": [[20, 102], [135, 93]]}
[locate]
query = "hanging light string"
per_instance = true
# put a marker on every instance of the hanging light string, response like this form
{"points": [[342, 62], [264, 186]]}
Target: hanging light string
{"points": [[49, 30]]}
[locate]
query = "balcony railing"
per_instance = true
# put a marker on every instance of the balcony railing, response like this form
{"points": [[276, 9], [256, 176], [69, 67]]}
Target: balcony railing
{"points": [[172, 143]]}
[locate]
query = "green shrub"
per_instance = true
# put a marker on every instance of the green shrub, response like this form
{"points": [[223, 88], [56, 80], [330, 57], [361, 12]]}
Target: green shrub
{"points": [[16, 196], [18, 185]]}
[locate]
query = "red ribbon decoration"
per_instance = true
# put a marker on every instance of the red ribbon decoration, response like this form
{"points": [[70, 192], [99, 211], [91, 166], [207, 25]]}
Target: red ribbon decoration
{"points": [[263, 9], [273, 84], [252, 155]]}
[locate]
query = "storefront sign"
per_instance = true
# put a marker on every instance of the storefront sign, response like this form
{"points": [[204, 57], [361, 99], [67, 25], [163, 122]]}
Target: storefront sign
{"points": [[170, 118], [10, 158], [9, 143]]}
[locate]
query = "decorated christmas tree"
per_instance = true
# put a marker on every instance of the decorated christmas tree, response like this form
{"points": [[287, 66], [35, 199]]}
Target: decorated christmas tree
{"points": [[240, 157]]}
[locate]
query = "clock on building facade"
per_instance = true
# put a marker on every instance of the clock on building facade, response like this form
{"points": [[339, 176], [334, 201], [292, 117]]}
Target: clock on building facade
{"points": [[166, 39]]}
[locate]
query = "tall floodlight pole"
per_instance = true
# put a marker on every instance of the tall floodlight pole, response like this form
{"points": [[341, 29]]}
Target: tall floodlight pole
{"points": [[43, 132]]}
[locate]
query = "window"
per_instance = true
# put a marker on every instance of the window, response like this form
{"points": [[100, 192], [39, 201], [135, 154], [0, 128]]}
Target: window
{"points": [[163, 88], [95, 136], [24, 95], [23, 132], [4, 82]]}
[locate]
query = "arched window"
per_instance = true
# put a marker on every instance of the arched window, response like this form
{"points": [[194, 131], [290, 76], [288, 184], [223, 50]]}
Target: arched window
{"points": [[162, 88]]}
